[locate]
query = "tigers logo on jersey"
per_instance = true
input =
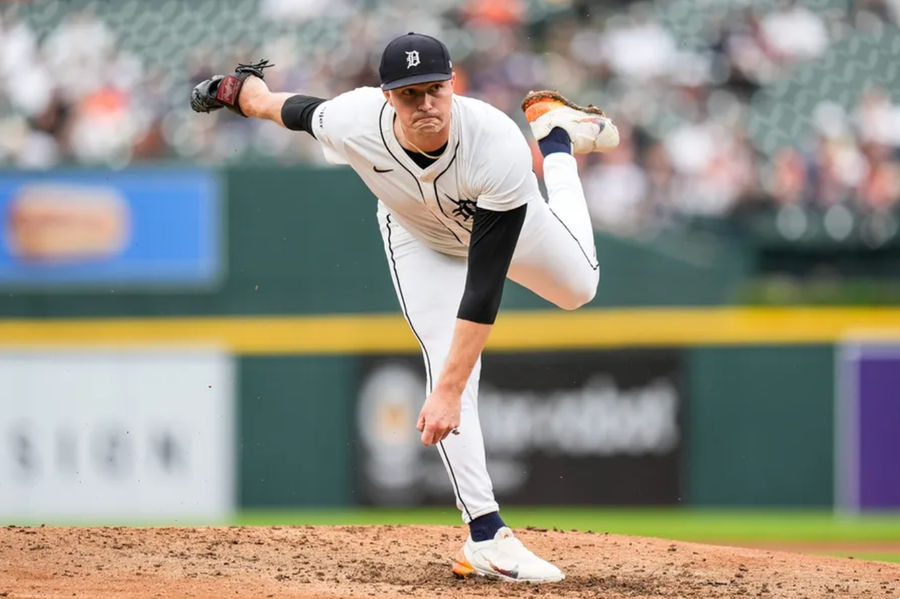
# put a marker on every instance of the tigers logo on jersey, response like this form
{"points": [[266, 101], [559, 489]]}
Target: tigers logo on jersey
{"points": [[464, 208], [412, 59]]}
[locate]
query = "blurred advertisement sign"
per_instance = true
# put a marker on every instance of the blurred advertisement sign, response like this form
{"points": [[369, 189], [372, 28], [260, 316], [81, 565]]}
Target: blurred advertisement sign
{"points": [[867, 419], [563, 427], [140, 227], [134, 434], [66, 224]]}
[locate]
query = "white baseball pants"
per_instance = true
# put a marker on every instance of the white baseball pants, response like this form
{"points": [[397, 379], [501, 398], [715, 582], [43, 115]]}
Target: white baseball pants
{"points": [[555, 258]]}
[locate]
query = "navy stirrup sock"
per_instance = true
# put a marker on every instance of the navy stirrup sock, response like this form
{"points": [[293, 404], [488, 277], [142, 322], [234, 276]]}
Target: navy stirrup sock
{"points": [[485, 527], [555, 141]]}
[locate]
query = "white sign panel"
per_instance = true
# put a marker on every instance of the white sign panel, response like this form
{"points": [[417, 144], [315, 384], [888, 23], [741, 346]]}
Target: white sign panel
{"points": [[143, 434]]}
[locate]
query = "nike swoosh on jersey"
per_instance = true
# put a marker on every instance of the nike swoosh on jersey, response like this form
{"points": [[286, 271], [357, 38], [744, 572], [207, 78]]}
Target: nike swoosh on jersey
{"points": [[381, 170]]}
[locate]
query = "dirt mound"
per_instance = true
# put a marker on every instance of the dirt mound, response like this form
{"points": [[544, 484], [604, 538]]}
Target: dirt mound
{"points": [[402, 561]]}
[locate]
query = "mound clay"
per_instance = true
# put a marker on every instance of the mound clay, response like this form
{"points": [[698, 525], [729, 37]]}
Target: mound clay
{"points": [[402, 561]]}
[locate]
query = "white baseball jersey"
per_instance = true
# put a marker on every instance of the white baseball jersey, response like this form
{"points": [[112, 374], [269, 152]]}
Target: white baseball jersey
{"points": [[426, 217], [487, 163]]}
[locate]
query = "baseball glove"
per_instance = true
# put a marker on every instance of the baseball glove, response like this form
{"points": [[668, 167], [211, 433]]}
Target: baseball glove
{"points": [[224, 90]]}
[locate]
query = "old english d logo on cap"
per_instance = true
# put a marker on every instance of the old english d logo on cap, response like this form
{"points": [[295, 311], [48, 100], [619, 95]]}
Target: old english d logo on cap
{"points": [[414, 58]]}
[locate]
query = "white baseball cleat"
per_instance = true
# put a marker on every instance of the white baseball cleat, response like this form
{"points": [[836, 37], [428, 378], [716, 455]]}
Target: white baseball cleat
{"points": [[589, 129], [504, 557]]}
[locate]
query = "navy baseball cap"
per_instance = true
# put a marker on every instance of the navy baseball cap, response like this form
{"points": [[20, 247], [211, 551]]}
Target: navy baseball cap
{"points": [[414, 58]]}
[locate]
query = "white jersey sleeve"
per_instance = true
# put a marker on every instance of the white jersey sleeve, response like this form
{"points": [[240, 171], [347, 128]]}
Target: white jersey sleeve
{"points": [[504, 174], [337, 120]]}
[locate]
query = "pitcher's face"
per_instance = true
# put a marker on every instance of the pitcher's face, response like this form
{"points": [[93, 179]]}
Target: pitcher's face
{"points": [[424, 108]]}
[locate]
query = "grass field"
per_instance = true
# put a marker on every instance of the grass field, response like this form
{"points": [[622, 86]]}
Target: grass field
{"points": [[875, 536]]}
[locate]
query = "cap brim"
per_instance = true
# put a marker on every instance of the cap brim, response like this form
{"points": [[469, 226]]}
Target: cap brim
{"points": [[416, 79]]}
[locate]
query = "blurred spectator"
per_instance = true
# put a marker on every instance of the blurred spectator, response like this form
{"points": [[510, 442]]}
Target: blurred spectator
{"points": [[793, 33], [877, 119], [617, 189], [788, 182], [497, 12], [879, 189], [640, 51]]}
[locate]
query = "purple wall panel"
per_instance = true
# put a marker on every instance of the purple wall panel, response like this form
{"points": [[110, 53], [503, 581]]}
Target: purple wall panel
{"points": [[868, 427], [879, 432]]}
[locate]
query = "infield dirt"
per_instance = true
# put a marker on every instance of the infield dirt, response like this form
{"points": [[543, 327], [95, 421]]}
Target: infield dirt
{"points": [[402, 561]]}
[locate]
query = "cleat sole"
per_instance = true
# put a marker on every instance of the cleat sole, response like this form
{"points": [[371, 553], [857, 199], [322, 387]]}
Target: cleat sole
{"points": [[533, 97], [461, 567]]}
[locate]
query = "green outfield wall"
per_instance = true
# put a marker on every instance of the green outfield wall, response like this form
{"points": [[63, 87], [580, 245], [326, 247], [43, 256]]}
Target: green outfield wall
{"points": [[295, 430], [761, 425], [305, 241], [304, 300]]}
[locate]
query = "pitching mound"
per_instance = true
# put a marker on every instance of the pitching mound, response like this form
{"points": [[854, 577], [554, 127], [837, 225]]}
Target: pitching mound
{"points": [[401, 561]]}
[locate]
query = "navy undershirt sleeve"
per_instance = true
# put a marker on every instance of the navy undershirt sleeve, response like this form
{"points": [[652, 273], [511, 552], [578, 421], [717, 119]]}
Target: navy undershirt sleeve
{"points": [[297, 112], [494, 238]]}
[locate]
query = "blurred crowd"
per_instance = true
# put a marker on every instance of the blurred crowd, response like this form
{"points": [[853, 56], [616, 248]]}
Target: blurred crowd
{"points": [[703, 91]]}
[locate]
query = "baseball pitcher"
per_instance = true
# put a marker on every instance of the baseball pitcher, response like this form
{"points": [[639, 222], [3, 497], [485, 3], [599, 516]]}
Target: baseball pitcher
{"points": [[460, 211]]}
